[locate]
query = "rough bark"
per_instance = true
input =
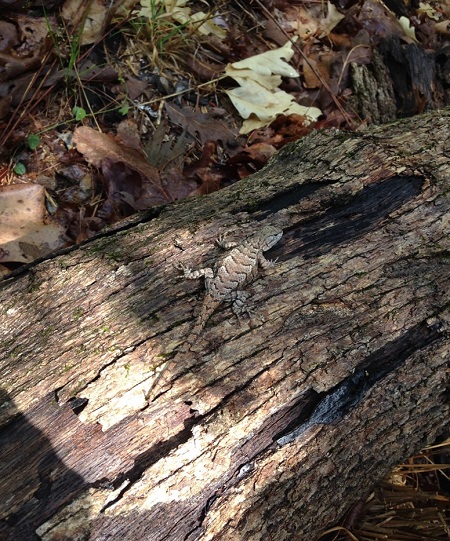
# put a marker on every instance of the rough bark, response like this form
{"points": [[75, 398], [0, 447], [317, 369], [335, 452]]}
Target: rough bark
{"points": [[278, 423], [401, 80]]}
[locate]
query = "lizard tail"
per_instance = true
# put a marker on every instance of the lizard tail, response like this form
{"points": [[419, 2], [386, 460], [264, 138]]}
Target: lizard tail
{"points": [[206, 311], [192, 338], [184, 349]]}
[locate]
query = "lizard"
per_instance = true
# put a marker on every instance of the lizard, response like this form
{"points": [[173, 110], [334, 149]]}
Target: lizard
{"points": [[225, 283]]}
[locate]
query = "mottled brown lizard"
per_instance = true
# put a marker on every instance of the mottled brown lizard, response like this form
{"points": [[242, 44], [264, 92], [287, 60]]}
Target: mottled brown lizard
{"points": [[225, 283]]}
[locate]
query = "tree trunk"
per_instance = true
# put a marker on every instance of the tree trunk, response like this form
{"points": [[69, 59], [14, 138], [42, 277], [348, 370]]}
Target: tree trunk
{"points": [[276, 424]]}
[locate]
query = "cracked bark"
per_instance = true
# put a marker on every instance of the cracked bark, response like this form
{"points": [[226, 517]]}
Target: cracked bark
{"points": [[279, 422]]}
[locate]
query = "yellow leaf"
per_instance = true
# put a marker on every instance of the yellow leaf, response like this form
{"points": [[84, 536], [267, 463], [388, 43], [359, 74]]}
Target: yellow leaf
{"points": [[333, 18], [269, 62], [409, 30], [209, 26], [258, 98], [270, 82], [428, 10], [261, 107]]}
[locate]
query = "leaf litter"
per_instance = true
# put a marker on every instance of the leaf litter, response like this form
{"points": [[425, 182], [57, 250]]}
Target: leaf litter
{"points": [[26, 233], [187, 82], [85, 70]]}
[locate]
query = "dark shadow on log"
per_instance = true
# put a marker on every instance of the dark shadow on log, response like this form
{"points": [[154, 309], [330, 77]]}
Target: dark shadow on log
{"points": [[34, 481]]}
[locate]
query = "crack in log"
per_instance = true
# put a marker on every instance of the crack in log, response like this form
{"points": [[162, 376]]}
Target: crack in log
{"points": [[354, 218], [95, 378], [332, 406]]}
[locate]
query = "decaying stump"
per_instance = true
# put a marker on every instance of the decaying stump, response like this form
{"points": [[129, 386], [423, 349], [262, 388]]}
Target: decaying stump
{"points": [[278, 422]]}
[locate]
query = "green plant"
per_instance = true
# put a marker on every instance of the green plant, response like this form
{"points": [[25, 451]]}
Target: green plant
{"points": [[19, 169], [67, 43], [33, 141], [153, 27], [78, 113]]}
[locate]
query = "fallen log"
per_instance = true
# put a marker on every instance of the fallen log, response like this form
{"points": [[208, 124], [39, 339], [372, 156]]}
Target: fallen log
{"points": [[276, 424]]}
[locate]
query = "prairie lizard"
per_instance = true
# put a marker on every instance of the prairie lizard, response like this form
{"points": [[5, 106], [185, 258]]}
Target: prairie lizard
{"points": [[225, 282]]}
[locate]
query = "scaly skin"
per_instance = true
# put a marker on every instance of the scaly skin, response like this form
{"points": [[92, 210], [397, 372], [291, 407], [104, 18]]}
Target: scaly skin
{"points": [[225, 283]]}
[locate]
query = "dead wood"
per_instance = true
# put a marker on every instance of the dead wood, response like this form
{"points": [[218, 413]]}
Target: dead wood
{"points": [[278, 423]]}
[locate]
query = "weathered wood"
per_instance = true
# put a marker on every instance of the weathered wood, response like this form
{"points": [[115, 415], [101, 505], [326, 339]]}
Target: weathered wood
{"points": [[401, 80], [280, 421]]}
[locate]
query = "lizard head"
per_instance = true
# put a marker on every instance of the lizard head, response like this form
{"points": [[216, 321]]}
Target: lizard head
{"points": [[270, 235]]}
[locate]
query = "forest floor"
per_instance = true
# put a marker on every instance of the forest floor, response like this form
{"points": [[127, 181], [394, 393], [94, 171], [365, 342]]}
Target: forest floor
{"points": [[110, 109]]}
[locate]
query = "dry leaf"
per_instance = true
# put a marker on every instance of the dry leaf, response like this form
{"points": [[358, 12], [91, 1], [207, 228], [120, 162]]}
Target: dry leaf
{"points": [[269, 82], [409, 30], [260, 107], [128, 134], [304, 24], [429, 11], [33, 32], [268, 63], [258, 99], [332, 19], [182, 14], [100, 148], [74, 13], [205, 125], [443, 28], [208, 26], [309, 75], [25, 231]]}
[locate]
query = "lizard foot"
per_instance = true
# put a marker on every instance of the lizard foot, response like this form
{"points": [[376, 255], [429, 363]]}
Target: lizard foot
{"points": [[225, 244]]}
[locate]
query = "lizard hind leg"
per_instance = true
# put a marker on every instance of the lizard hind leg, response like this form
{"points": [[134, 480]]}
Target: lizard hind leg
{"points": [[239, 300], [266, 263]]}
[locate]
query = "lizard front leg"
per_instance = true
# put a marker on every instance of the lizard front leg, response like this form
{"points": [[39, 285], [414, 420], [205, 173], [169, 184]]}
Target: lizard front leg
{"points": [[193, 274], [225, 244]]}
